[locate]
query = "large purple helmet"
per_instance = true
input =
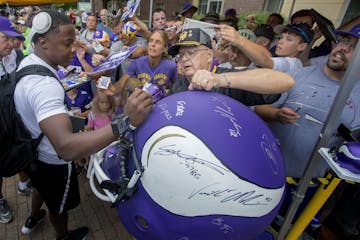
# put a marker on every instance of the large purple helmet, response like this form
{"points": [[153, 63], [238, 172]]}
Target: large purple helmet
{"points": [[348, 156], [211, 170]]}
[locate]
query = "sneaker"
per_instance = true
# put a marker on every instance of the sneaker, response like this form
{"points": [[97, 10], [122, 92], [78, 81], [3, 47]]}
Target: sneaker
{"points": [[80, 233], [6, 215], [26, 191], [32, 222]]}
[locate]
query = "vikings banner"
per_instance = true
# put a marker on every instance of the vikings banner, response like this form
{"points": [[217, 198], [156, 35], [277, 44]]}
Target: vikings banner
{"points": [[114, 60], [131, 6]]}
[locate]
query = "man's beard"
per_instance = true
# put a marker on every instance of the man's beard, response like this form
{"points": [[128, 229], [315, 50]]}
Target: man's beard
{"points": [[337, 67]]}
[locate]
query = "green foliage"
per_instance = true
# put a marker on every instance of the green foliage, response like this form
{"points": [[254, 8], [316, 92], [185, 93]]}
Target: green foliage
{"points": [[259, 16], [64, 6], [197, 17]]}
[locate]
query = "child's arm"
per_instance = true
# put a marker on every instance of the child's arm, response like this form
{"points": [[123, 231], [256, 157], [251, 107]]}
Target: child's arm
{"points": [[91, 122]]}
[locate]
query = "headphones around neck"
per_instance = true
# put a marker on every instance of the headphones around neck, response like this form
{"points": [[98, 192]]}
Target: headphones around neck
{"points": [[41, 22]]}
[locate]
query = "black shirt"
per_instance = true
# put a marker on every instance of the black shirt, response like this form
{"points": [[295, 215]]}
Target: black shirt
{"points": [[245, 97]]}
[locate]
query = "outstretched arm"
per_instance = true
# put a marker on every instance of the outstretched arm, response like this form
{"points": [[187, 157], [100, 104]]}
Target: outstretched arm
{"points": [[263, 81], [70, 146], [259, 55]]}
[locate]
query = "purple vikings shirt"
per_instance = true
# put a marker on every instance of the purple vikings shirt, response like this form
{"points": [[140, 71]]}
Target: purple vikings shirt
{"points": [[78, 68], [162, 74], [82, 100]]}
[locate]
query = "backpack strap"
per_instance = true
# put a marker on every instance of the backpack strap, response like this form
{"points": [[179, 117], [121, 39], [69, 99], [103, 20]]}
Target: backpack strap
{"points": [[36, 70], [19, 56]]}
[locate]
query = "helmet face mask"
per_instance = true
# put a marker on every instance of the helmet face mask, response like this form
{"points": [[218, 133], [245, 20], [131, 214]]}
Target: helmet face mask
{"points": [[129, 30], [348, 156], [200, 154]]}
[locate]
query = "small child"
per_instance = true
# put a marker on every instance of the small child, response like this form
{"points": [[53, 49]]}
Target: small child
{"points": [[127, 87], [101, 111]]}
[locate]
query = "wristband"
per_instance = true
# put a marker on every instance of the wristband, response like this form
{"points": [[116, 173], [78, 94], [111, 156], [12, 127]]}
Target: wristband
{"points": [[120, 125]]}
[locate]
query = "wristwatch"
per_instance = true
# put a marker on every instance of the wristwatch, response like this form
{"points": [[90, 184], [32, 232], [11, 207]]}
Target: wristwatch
{"points": [[120, 125]]}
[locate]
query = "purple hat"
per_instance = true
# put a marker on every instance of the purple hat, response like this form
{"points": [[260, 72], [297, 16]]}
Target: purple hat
{"points": [[355, 32], [5, 27]]}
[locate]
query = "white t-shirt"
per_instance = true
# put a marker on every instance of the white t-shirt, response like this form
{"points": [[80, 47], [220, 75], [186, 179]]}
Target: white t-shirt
{"points": [[37, 98], [286, 64]]}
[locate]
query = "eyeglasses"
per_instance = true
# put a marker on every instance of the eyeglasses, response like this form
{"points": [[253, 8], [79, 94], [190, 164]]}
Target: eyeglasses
{"points": [[189, 54], [347, 42]]}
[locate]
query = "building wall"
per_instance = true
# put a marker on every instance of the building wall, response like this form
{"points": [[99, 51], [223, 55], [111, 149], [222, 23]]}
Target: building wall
{"points": [[170, 7], [244, 6], [332, 9], [97, 5]]}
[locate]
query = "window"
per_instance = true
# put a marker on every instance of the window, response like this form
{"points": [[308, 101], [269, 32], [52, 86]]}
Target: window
{"points": [[206, 6], [352, 11], [273, 6], [160, 5], [202, 7], [215, 6]]}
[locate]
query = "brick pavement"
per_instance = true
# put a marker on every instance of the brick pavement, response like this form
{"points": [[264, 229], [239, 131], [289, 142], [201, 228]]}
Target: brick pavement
{"points": [[102, 220]]}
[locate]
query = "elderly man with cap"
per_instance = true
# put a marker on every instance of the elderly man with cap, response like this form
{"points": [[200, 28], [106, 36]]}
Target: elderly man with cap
{"points": [[188, 10], [298, 117], [195, 58]]}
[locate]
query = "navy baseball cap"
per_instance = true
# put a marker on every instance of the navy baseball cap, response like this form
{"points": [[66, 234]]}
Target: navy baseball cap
{"points": [[191, 37], [355, 32], [302, 29], [6, 28]]}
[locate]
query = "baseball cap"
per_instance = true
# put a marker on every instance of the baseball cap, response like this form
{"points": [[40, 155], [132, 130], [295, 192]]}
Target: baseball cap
{"points": [[265, 30], [355, 32], [21, 22], [6, 28], [187, 7], [191, 37], [248, 34], [302, 29], [101, 36]]}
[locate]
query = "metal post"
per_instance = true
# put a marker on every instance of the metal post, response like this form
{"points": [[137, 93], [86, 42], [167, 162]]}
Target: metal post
{"points": [[330, 127], [291, 8], [150, 13]]}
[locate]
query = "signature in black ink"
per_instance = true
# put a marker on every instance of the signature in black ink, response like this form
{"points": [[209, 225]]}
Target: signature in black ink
{"points": [[169, 150], [245, 198]]}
